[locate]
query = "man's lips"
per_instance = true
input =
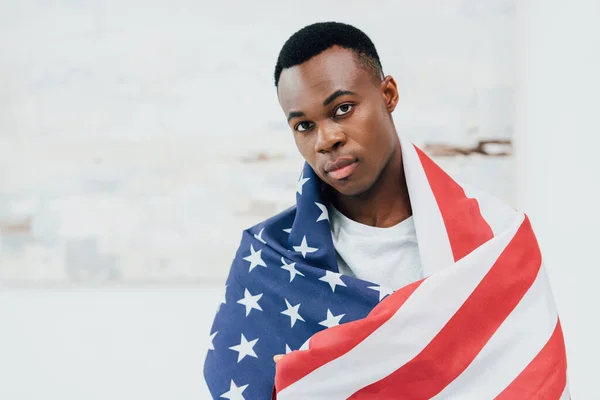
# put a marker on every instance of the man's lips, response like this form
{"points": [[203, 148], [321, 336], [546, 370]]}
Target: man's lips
{"points": [[338, 164], [341, 168]]}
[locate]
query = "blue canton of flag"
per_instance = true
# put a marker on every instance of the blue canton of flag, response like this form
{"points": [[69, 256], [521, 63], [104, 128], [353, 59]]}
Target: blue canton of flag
{"points": [[283, 287]]}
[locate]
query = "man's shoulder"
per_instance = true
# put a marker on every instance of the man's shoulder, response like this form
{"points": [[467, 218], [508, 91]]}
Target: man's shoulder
{"points": [[272, 233]]}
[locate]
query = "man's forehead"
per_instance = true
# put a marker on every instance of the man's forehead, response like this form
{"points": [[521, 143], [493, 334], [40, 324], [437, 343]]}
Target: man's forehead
{"points": [[310, 90], [320, 76]]}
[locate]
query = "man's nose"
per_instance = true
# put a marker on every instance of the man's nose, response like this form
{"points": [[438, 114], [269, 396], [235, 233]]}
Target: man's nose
{"points": [[329, 137]]}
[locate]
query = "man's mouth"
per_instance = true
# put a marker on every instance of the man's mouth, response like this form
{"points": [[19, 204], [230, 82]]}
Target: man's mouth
{"points": [[341, 168]]}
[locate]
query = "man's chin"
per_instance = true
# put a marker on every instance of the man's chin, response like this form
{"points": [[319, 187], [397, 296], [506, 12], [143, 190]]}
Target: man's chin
{"points": [[348, 187]]}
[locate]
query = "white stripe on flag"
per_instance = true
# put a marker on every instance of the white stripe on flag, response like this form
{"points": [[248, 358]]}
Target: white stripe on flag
{"points": [[512, 347], [434, 244], [495, 212], [407, 332]]}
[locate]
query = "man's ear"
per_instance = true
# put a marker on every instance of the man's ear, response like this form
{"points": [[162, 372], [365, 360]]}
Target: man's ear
{"points": [[389, 90]]}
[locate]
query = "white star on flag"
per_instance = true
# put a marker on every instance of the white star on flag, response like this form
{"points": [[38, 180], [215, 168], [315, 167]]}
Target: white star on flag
{"points": [[255, 259], [287, 349], [251, 302], [211, 346], [333, 278], [304, 248], [288, 230], [259, 236], [292, 312], [332, 320], [301, 182], [324, 212], [306, 345], [224, 301], [291, 268], [245, 348], [383, 291], [235, 392]]}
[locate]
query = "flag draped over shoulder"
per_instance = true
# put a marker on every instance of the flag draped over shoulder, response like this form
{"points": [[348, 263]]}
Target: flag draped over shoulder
{"points": [[482, 324]]}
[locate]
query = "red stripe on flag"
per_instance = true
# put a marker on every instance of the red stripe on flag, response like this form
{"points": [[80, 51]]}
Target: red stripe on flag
{"points": [[466, 227], [469, 329], [545, 377], [336, 341]]}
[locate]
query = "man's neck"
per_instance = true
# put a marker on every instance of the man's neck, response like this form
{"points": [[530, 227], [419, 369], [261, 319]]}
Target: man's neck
{"points": [[386, 204]]}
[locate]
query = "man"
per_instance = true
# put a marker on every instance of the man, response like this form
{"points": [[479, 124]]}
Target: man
{"points": [[388, 317]]}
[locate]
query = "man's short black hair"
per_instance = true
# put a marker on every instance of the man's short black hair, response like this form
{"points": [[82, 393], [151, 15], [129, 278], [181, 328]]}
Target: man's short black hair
{"points": [[318, 37]]}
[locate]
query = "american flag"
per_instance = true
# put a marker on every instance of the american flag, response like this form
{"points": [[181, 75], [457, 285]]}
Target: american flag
{"points": [[482, 324]]}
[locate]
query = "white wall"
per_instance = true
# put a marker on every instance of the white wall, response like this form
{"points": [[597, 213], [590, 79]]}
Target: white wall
{"points": [[105, 344], [557, 141], [128, 127]]}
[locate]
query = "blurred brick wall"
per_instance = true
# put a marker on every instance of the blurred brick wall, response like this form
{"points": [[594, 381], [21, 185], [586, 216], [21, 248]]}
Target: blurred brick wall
{"points": [[137, 139]]}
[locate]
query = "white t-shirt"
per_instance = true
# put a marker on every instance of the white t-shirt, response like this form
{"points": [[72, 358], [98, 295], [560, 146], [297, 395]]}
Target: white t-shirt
{"points": [[384, 256]]}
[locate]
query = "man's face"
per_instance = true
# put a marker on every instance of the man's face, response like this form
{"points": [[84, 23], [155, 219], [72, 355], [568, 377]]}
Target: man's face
{"points": [[339, 114]]}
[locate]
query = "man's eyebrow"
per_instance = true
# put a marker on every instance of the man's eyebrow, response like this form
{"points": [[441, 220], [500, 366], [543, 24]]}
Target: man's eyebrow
{"points": [[335, 95], [294, 114], [329, 100]]}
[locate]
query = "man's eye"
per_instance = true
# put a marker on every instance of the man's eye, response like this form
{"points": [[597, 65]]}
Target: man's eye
{"points": [[303, 126], [344, 108]]}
